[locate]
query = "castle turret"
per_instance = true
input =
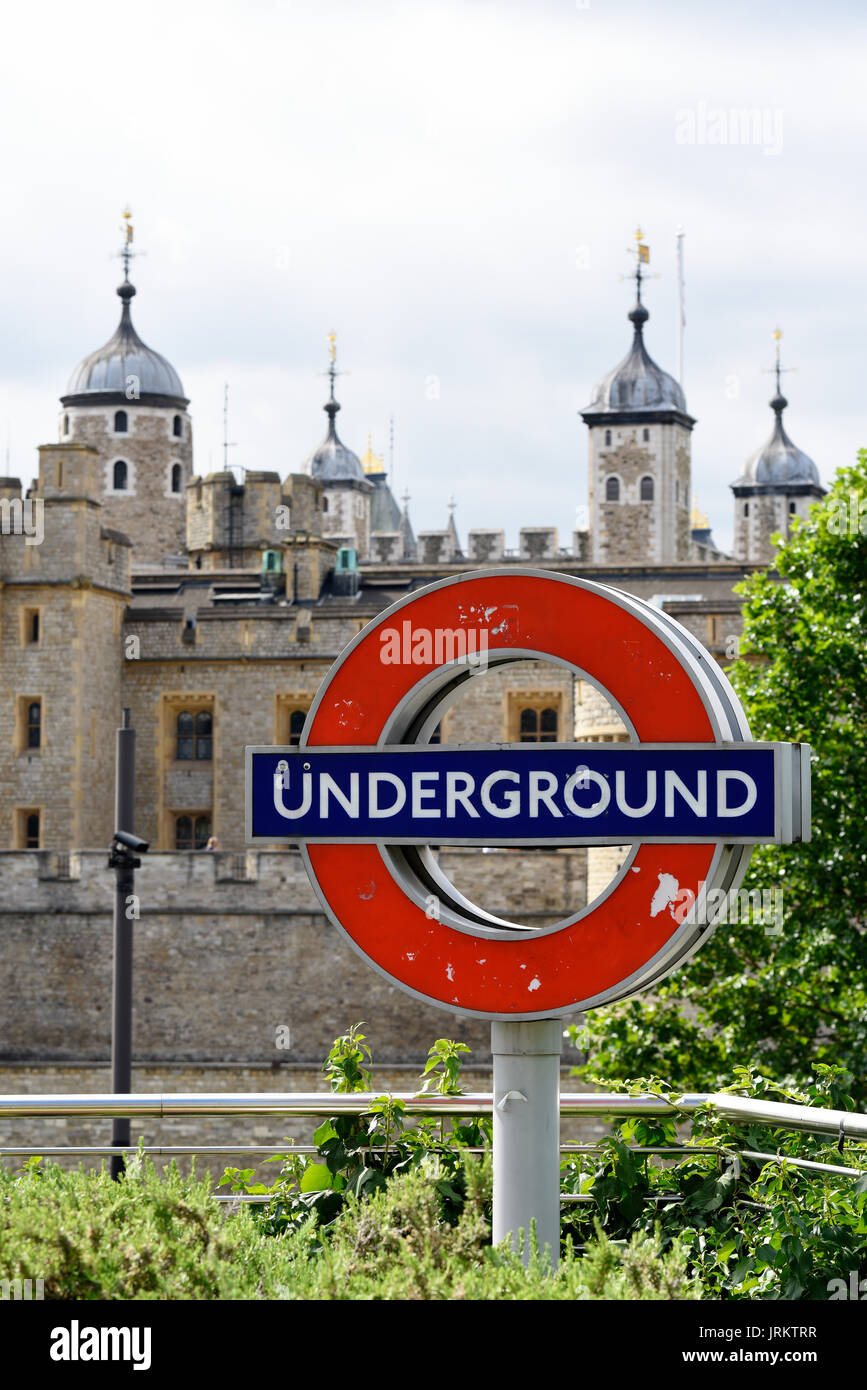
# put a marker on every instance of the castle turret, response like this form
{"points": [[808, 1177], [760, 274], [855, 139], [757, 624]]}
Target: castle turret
{"points": [[778, 484], [639, 455], [346, 491], [126, 401]]}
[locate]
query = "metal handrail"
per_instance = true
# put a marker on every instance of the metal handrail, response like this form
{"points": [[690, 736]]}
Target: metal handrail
{"points": [[155, 1105]]}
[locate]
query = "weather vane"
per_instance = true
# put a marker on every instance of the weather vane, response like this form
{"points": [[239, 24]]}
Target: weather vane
{"points": [[332, 372], [777, 369], [641, 252], [126, 252]]}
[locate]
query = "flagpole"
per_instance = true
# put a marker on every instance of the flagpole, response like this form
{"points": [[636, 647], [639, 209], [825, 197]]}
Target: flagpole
{"points": [[681, 314]]}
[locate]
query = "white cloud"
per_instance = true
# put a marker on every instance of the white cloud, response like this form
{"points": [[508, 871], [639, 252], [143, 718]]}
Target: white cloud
{"points": [[420, 176]]}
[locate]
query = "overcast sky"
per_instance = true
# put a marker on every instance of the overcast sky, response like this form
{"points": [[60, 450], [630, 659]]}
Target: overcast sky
{"points": [[452, 187]]}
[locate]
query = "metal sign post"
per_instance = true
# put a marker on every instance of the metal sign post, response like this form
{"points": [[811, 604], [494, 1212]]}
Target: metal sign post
{"points": [[526, 1089], [123, 860], [365, 795]]}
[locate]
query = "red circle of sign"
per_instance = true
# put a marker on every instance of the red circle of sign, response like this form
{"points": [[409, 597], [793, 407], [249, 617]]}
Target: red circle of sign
{"points": [[528, 976]]}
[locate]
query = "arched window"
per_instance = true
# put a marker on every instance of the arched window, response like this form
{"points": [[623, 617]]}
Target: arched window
{"points": [[121, 422], [645, 435], [646, 489], [194, 736], [529, 725], [34, 724], [176, 477], [296, 724], [548, 726], [192, 831], [538, 726], [612, 489], [325, 504], [31, 830], [792, 509], [66, 424], [120, 476], [178, 427], [746, 509], [607, 438]]}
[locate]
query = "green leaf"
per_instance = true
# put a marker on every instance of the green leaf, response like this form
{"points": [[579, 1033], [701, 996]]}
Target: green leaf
{"points": [[316, 1178]]}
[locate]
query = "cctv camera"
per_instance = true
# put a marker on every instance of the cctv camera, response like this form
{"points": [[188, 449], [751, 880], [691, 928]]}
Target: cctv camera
{"points": [[123, 837]]}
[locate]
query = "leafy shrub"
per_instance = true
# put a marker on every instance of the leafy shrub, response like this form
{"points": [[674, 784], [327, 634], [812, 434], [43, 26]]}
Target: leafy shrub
{"points": [[87, 1237], [358, 1154], [395, 1245], [749, 1228]]}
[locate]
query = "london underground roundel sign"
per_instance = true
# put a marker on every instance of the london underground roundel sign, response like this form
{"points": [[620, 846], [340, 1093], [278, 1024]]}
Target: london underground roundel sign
{"points": [[365, 794]]}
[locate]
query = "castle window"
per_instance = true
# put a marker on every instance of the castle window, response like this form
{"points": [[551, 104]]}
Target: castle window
{"points": [[27, 829], [538, 725], [646, 489], [607, 438], [176, 477], [121, 422], [177, 427], [194, 736], [612, 489], [120, 476], [66, 424], [34, 724], [645, 435], [192, 831], [31, 630], [746, 509], [290, 714], [325, 504], [792, 509]]}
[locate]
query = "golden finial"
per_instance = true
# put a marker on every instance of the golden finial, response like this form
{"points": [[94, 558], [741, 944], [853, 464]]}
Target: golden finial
{"points": [[126, 226], [332, 346], [698, 520], [372, 463]]}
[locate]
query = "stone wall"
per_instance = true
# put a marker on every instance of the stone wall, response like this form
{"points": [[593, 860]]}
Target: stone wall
{"points": [[228, 950], [77, 583], [148, 510], [630, 530], [240, 983]]}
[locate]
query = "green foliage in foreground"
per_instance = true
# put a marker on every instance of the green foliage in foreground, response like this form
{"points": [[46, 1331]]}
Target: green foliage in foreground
{"points": [[750, 1228], [153, 1236], [390, 1210], [781, 999]]}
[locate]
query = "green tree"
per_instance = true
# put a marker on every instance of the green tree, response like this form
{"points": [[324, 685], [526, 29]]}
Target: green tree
{"points": [[750, 996]]}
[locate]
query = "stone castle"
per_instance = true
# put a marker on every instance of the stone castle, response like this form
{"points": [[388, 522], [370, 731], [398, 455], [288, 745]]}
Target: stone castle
{"points": [[211, 607]]}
